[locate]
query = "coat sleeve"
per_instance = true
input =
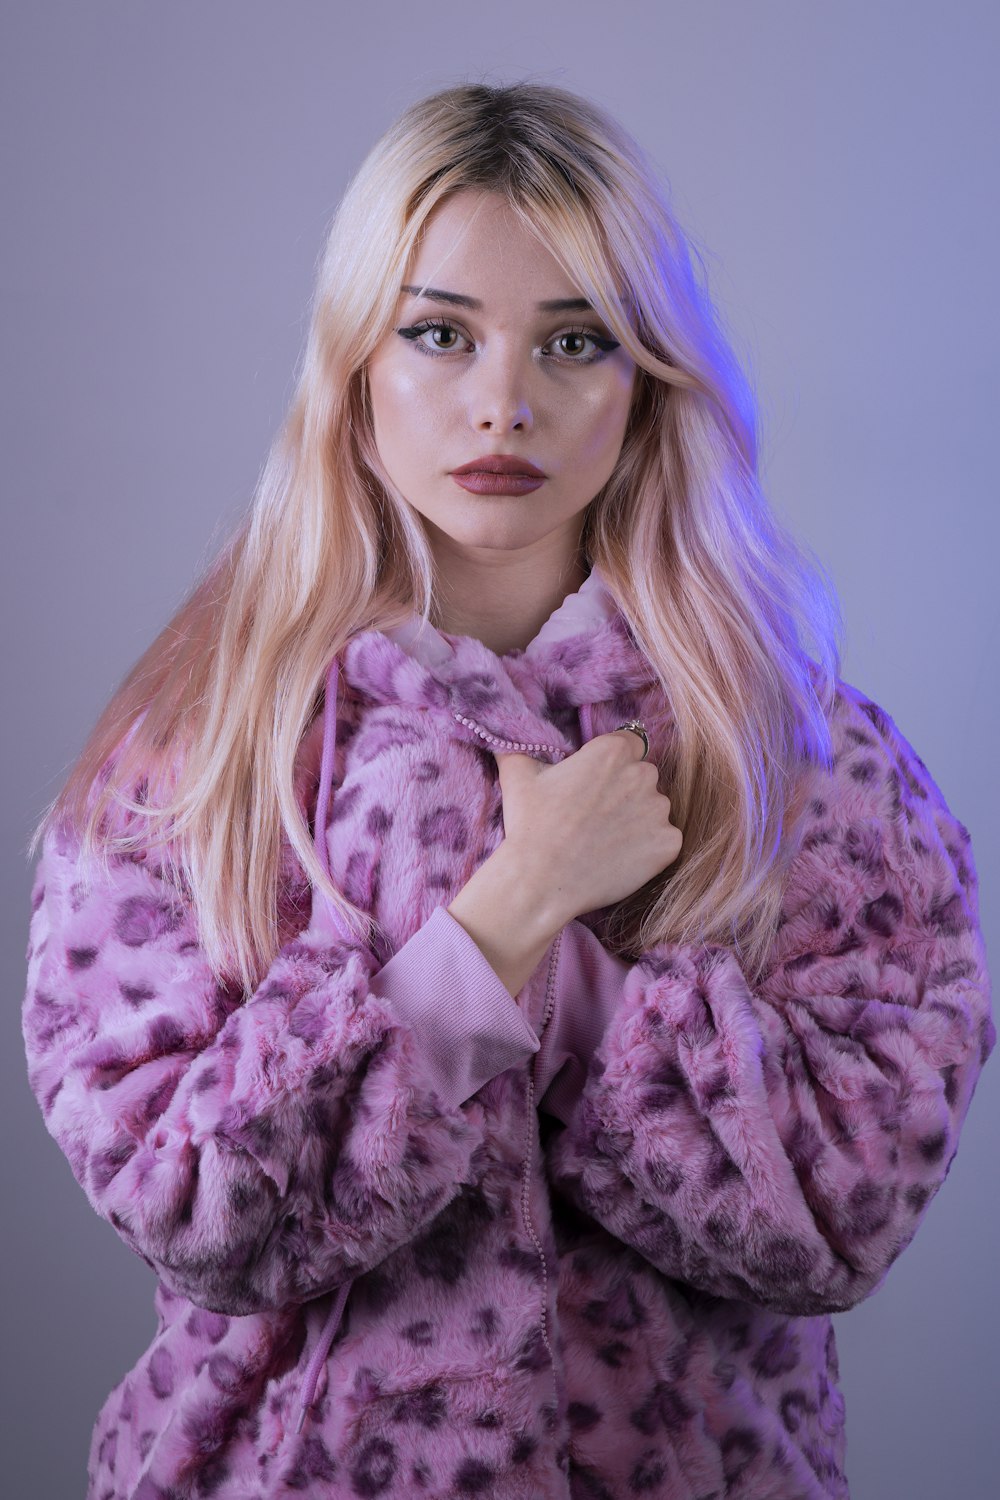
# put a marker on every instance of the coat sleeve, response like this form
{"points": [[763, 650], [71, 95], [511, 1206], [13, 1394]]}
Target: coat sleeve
{"points": [[779, 1145], [255, 1154]]}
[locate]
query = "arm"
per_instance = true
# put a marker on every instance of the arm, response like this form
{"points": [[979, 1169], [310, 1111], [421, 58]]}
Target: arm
{"points": [[450, 996], [252, 1154], [508, 916], [780, 1145]]}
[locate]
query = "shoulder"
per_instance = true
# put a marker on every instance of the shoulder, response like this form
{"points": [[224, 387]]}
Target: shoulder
{"points": [[877, 846], [879, 774]]}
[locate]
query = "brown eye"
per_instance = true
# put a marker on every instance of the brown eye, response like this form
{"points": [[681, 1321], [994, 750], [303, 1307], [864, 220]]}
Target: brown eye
{"points": [[436, 328], [572, 336], [415, 334]]}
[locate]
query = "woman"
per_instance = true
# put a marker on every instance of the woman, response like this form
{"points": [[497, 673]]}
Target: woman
{"points": [[508, 990]]}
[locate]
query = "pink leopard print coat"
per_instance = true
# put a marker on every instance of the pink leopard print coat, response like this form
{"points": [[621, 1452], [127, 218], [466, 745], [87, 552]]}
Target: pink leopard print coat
{"points": [[370, 1286]]}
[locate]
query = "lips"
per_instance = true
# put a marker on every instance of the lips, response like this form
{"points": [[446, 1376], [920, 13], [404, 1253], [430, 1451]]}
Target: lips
{"points": [[500, 463], [485, 483]]}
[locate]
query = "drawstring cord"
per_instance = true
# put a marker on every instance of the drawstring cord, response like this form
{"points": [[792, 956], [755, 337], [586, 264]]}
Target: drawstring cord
{"points": [[321, 821], [319, 1354], [333, 1317]]}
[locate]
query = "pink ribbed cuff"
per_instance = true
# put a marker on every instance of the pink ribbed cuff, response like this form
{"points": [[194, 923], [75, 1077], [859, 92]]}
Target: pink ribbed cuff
{"points": [[469, 1026]]}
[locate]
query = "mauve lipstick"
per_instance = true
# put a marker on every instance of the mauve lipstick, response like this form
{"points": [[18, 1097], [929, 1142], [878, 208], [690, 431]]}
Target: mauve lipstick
{"points": [[497, 484], [498, 474]]}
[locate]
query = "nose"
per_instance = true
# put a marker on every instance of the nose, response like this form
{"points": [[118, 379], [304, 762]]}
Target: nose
{"points": [[498, 398]]}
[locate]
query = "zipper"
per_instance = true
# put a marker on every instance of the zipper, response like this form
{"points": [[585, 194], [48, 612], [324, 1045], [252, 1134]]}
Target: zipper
{"points": [[495, 740], [530, 1123]]}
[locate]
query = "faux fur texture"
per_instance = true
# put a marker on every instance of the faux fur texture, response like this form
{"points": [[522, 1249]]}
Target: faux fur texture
{"points": [[635, 1305]]}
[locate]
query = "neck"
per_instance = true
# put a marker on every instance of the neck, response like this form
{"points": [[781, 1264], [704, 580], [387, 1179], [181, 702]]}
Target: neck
{"points": [[503, 599]]}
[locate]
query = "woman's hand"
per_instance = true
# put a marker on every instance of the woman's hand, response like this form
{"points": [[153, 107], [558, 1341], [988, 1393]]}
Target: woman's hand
{"points": [[591, 829]]}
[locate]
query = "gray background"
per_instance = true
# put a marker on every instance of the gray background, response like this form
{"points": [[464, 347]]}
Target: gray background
{"points": [[168, 172]]}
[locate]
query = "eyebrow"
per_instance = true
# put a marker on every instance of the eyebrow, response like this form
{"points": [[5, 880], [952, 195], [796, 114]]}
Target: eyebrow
{"points": [[457, 299]]}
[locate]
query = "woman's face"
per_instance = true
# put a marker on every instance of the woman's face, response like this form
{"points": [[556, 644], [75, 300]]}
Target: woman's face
{"points": [[502, 377]]}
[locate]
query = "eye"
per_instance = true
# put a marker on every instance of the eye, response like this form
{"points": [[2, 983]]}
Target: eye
{"points": [[602, 345]]}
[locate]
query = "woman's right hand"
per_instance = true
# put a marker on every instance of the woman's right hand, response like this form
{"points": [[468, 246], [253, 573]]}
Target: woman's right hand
{"points": [[591, 829]]}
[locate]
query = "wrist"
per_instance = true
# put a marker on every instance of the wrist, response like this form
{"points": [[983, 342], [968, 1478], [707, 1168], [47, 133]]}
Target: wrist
{"points": [[532, 899], [509, 917]]}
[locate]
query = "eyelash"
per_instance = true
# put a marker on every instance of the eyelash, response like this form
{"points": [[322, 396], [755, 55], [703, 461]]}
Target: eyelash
{"points": [[604, 346]]}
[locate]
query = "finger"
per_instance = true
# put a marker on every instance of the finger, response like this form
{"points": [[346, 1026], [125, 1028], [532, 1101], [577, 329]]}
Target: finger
{"points": [[637, 741]]}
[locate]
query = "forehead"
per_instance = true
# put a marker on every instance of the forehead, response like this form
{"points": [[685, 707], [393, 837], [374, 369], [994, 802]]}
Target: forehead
{"points": [[477, 243]]}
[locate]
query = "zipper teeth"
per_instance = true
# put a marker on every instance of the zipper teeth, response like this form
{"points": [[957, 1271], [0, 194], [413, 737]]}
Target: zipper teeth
{"points": [[550, 996], [495, 739]]}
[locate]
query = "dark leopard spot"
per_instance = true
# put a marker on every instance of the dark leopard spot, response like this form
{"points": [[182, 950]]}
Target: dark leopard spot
{"points": [[777, 1355], [739, 1447], [142, 919], [583, 1417], [420, 1333], [426, 1406], [161, 1374], [137, 994], [532, 1354], [869, 1206], [224, 1373], [664, 1407], [522, 1448], [932, 1147], [794, 1405], [883, 914], [374, 1468], [165, 1035], [80, 958], [665, 1176], [211, 1326], [864, 771], [473, 1477], [442, 1254], [486, 1324], [720, 1167], [446, 826], [649, 1473], [105, 1168], [378, 821]]}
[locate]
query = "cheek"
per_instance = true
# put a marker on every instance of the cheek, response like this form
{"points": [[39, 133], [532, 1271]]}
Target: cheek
{"points": [[598, 422], [396, 404], [412, 399]]}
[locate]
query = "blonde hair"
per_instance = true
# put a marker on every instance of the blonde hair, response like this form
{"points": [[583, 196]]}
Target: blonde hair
{"points": [[199, 741]]}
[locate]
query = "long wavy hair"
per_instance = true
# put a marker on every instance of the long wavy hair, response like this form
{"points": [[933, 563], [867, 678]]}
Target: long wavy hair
{"points": [[195, 752]]}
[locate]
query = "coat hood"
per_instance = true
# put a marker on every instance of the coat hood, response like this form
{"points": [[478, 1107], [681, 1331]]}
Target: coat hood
{"points": [[583, 654]]}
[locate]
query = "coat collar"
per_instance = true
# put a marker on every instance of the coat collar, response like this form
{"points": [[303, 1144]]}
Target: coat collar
{"points": [[584, 654]]}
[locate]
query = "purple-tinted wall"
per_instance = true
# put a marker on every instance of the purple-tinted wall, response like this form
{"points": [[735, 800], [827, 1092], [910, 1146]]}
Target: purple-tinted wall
{"points": [[168, 174]]}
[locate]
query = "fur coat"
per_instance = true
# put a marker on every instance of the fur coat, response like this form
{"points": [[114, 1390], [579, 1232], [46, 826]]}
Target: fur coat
{"points": [[414, 1236]]}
